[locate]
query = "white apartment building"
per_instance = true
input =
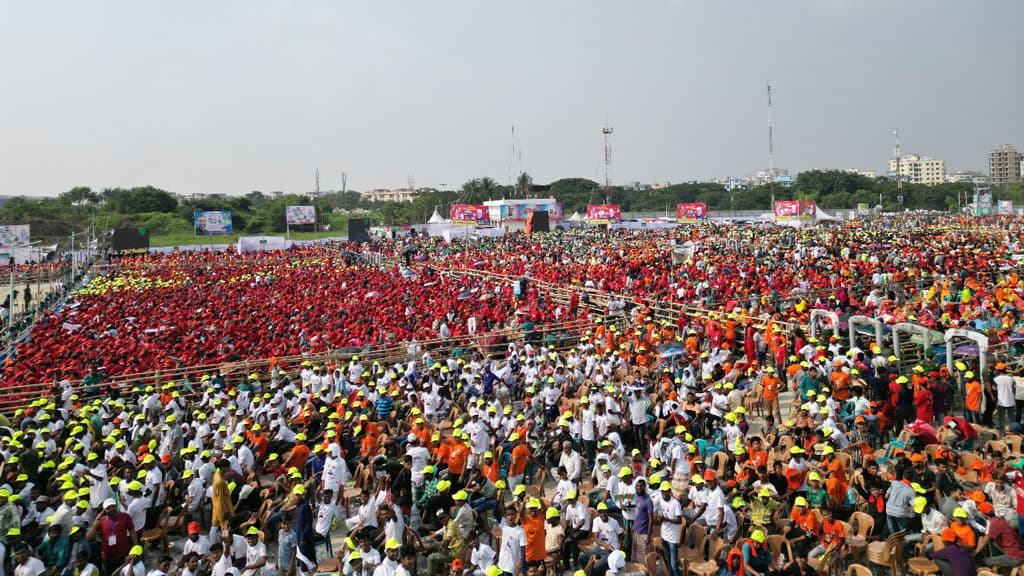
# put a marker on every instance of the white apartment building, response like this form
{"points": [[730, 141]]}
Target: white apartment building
{"points": [[917, 169]]}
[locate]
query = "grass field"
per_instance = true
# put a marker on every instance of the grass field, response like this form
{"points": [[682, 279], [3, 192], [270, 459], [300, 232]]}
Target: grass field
{"points": [[188, 239]]}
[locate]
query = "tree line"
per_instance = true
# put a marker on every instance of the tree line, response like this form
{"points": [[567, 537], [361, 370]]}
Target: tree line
{"points": [[163, 213]]}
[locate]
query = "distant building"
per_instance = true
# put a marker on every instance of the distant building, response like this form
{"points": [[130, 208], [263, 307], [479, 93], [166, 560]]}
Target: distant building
{"points": [[865, 173], [918, 169], [399, 195], [636, 187], [973, 177], [736, 184], [1004, 165]]}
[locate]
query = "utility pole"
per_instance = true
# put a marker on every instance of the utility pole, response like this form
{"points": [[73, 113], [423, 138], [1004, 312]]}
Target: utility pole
{"points": [[899, 175], [771, 146]]}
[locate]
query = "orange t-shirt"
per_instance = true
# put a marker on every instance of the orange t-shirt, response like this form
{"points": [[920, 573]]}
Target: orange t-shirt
{"points": [[520, 454], [300, 453], [841, 385], [491, 471], [533, 526], [973, 401], [457, 460], [771, 386], [831, 532], [965, 535], [807, 521]]}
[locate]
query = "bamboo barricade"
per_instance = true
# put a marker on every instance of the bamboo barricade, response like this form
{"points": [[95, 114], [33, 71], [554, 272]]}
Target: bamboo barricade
{"points": [[599, 299]]}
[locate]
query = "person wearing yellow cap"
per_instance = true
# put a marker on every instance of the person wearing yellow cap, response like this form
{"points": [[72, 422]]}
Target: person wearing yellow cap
{"points": [[255, 553], [520, 457], [757, 557], [802, 531], [608, 536], [390, 566], [670, 511]]}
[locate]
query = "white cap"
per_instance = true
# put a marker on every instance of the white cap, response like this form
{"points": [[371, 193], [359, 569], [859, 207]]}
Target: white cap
{"points": [[616, 561]]}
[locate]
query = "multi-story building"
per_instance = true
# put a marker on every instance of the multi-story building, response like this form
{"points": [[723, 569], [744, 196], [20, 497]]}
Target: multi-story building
{"points": [[917, 169], [976, 178], [1004, 165], [399, 195]]}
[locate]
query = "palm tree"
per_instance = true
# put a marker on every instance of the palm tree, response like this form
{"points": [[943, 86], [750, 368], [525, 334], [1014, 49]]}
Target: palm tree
{"points": [[523, 184], [476, 190]]}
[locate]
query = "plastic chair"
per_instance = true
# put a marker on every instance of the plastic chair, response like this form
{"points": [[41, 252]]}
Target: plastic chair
{"points": [[858, 541], [888, 553]]}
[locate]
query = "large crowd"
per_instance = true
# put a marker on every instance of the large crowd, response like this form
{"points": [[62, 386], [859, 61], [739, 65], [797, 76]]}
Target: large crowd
{"points": [[630, 407]]}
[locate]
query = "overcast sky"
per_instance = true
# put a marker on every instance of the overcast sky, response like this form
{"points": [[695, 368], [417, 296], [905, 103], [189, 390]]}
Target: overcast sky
{"points": [[201, 96]]}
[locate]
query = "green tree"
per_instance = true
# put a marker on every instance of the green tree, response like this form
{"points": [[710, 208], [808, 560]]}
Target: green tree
{"points": [[523, 184], [478, 190]]}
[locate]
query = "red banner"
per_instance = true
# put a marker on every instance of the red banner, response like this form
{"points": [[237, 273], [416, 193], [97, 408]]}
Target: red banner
{"points": [[790, 210], [470, 215], [603, 213], [690, 213]]}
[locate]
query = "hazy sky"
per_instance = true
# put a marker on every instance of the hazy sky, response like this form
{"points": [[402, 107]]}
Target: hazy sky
{"points": [[215, 96]]}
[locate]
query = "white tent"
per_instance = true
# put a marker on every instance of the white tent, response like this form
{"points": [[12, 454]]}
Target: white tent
{"points": [[576, 217], [435, 218], [247, 244]]}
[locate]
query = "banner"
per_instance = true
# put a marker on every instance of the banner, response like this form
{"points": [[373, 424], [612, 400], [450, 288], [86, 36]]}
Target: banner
{"points": [[470, 215], [1006, 208], [690, 213], [12, 235], [299, 215], [983, 202], [603, 213], [793, 210], [519, 212], [212, 223], [863, 208]]}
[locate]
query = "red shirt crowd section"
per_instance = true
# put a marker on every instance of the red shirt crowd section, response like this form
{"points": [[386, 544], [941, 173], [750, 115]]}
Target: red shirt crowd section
{"points": [[199, 308]]}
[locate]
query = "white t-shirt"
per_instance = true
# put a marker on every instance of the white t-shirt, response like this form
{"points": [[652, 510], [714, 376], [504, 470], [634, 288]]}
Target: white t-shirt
{"points": [[673, 510], [513, 540], [325, 514], [253, 555], [606, 531], [31, 567], [419, 456], [716, 501], [1004, 391], [482, 556]]}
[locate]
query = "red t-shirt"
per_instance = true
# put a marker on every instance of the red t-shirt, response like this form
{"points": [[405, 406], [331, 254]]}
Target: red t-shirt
{"points": [[116, 536], [1006, 538]]}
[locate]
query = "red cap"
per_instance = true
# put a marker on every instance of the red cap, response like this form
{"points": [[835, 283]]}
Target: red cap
{"points": [[193, 528], [165, 459], [985, 508], [709, 475]]}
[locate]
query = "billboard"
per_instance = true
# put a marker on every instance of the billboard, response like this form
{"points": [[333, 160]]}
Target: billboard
{"points": [[863, 208], [983, 202], [519, 212], [12, 235], [603, 213], [1006, 208], [212, 223], [692, 212], [470, 215], [794, 210], [130, 239], [299, 215]]}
